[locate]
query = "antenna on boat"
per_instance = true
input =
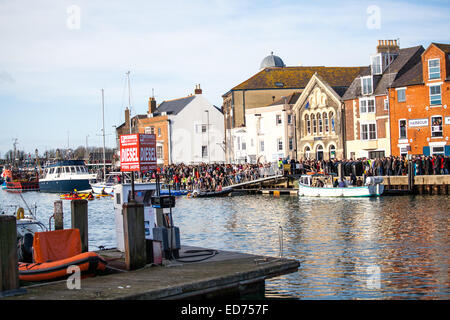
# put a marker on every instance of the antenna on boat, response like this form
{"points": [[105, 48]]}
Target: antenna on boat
{"points": [[103, 130]]}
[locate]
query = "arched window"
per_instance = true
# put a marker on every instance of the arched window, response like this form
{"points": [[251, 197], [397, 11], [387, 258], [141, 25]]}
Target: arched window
{"points": [[332, 151], [332, 121], [325, 121], [308, 125], [319, 119], [314, 123], [307, 152], [319, 152]]}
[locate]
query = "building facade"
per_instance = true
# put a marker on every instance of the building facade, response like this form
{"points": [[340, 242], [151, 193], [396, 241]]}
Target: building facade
{"points": [[188, 130], [367, 107], [419, 100], [320, 120], [270, 84]]}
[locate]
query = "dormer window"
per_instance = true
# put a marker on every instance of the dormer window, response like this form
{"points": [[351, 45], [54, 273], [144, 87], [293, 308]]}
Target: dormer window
{"points": [[434, 70], [375, 63], [366, 85]]}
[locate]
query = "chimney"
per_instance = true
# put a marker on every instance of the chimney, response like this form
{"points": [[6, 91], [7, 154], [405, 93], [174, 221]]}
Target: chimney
{"points": [[197, 89], [127, 118], [151, 105], [388, 45]]}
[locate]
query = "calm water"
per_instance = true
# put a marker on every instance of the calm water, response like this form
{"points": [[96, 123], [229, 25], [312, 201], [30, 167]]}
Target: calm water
{"points": [[387, 248]]}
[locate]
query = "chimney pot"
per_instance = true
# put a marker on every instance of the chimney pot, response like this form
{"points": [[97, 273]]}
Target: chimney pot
{"points": [[198, 90]]}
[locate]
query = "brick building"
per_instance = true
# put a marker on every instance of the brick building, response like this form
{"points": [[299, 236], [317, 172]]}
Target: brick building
{"points": [[367, 108], [419, 101]]}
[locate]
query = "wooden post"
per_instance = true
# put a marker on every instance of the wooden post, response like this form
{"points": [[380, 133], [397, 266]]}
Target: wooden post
{"points": [[340, 170], [9, 273], [58, 214], [134, 235], [79, 218]]}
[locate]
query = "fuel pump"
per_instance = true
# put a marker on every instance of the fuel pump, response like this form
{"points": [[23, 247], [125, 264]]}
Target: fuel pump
{"points": [[165, 231]]}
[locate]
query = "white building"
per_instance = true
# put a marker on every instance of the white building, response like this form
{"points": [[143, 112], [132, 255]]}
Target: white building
{"points": [[269, 133]]}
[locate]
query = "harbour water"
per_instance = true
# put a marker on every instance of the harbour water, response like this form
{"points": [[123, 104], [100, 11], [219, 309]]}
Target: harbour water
{"points": [[374, 248]]}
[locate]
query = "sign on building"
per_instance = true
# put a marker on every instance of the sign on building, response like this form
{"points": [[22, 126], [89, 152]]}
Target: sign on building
{"points": [[137, 152], [447, 120], [418, 123]]}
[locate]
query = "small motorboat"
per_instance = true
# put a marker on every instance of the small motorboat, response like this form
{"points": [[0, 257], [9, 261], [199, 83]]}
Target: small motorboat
{"points": [[209, 194], [321, 185], [174, 192]]}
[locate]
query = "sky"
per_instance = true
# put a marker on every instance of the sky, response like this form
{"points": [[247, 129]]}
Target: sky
{"points": [[57, 55]]}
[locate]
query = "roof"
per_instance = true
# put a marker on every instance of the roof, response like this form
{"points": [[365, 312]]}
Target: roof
{"points": [[407, 58], [174, 106], [272, 61], [443, 46], [298, 77], [411, 77], [290, 99]]}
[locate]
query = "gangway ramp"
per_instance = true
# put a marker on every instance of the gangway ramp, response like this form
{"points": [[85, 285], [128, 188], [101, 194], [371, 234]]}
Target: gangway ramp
{"points": [[260, 180]]}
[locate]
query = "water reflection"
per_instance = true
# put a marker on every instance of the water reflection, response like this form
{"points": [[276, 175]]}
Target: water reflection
{"points": [[381, 248]]}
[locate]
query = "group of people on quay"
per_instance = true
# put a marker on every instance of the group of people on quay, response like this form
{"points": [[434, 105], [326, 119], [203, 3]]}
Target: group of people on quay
{"points": [[205, 176]]}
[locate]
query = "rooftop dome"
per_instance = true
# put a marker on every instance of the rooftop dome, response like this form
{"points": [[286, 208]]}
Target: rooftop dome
{"points": [[272, 61]]}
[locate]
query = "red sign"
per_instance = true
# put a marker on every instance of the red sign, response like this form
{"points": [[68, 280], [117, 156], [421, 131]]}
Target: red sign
{"points": [[137, 152]]}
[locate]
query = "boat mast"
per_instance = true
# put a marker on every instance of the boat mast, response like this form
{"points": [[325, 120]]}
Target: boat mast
{"points": [[129, 106], [103, 115]]}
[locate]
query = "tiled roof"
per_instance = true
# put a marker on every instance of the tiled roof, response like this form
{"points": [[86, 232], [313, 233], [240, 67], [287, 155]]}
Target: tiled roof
{"points": [[413, 76], [298, 77], [174, 106], [290, 99], [406, 59], [443, 46]]}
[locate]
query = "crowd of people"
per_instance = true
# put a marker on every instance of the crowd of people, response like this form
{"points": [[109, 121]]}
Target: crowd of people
{"points": [[386, 166], [216, 176]]}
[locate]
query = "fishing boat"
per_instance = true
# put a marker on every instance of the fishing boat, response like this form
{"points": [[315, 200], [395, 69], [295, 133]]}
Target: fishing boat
{"points": [[107, 185], [65, 176], [21, 179], [321, 185]]}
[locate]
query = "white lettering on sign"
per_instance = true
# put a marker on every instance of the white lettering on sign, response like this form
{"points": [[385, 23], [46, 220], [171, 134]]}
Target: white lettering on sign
{"points": [[447, 120], [418, 123], [148, 154], [129, 155]]}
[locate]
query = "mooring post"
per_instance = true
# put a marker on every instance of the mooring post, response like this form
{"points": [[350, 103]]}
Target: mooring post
{"points": [[340, 170], [134, 235], [9, 274], [79, 219], [58, 214]]}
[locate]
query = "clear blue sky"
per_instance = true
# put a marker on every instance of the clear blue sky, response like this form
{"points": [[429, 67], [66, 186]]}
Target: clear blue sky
{"points": [[54, 62]]}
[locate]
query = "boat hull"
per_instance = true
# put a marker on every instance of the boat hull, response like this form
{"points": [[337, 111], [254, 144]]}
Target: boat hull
{"points": [[63, 186], [19, 186], [98, 187], [364, 191]]}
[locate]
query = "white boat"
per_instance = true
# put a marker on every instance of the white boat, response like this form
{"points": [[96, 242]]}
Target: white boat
{"points": [[308, 186], [65, 176]]}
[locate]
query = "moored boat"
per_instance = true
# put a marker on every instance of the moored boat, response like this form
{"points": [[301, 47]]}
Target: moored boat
{"points": [[209, 194], [65, 176], [20, 180], [317, 185]]}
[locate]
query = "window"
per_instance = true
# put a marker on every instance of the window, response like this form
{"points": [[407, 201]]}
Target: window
{"points": [[239, 143], [289, 119], [436, 126], [159, 132], [402, 127], [204, 151], [291, 143], [244, 144], [203, 128], [261, 146], [308, 125], [386, 104], [307, 152], [367, 105], [434, 71], [159, 152], [278, 119], [313, 119], [72, 169], [319, 119], [437, 150], [280, 144], [376, 64], [376, 154], [435, 95], [332, 121], [368, 131], [401, 95], [332, 152], [325, 121], [366, 85]]}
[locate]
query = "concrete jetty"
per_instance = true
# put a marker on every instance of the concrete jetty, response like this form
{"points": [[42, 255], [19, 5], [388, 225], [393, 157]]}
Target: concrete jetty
{"points": [[225, 274]]}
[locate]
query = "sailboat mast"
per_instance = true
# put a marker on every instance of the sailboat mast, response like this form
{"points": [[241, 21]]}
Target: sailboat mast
{"points": [[103, 116], [129, 98]]}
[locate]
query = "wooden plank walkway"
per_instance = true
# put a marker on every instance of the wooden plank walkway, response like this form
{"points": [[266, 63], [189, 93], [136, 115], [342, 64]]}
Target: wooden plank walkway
{"points": [[223, 273], [242, 184]]}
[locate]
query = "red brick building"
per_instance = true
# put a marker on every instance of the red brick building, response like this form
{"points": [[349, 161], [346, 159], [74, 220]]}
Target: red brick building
{"points": [[419, 101]]}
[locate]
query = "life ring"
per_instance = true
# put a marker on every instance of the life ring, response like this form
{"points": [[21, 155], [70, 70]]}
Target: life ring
{"points": [[20, 213]]}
